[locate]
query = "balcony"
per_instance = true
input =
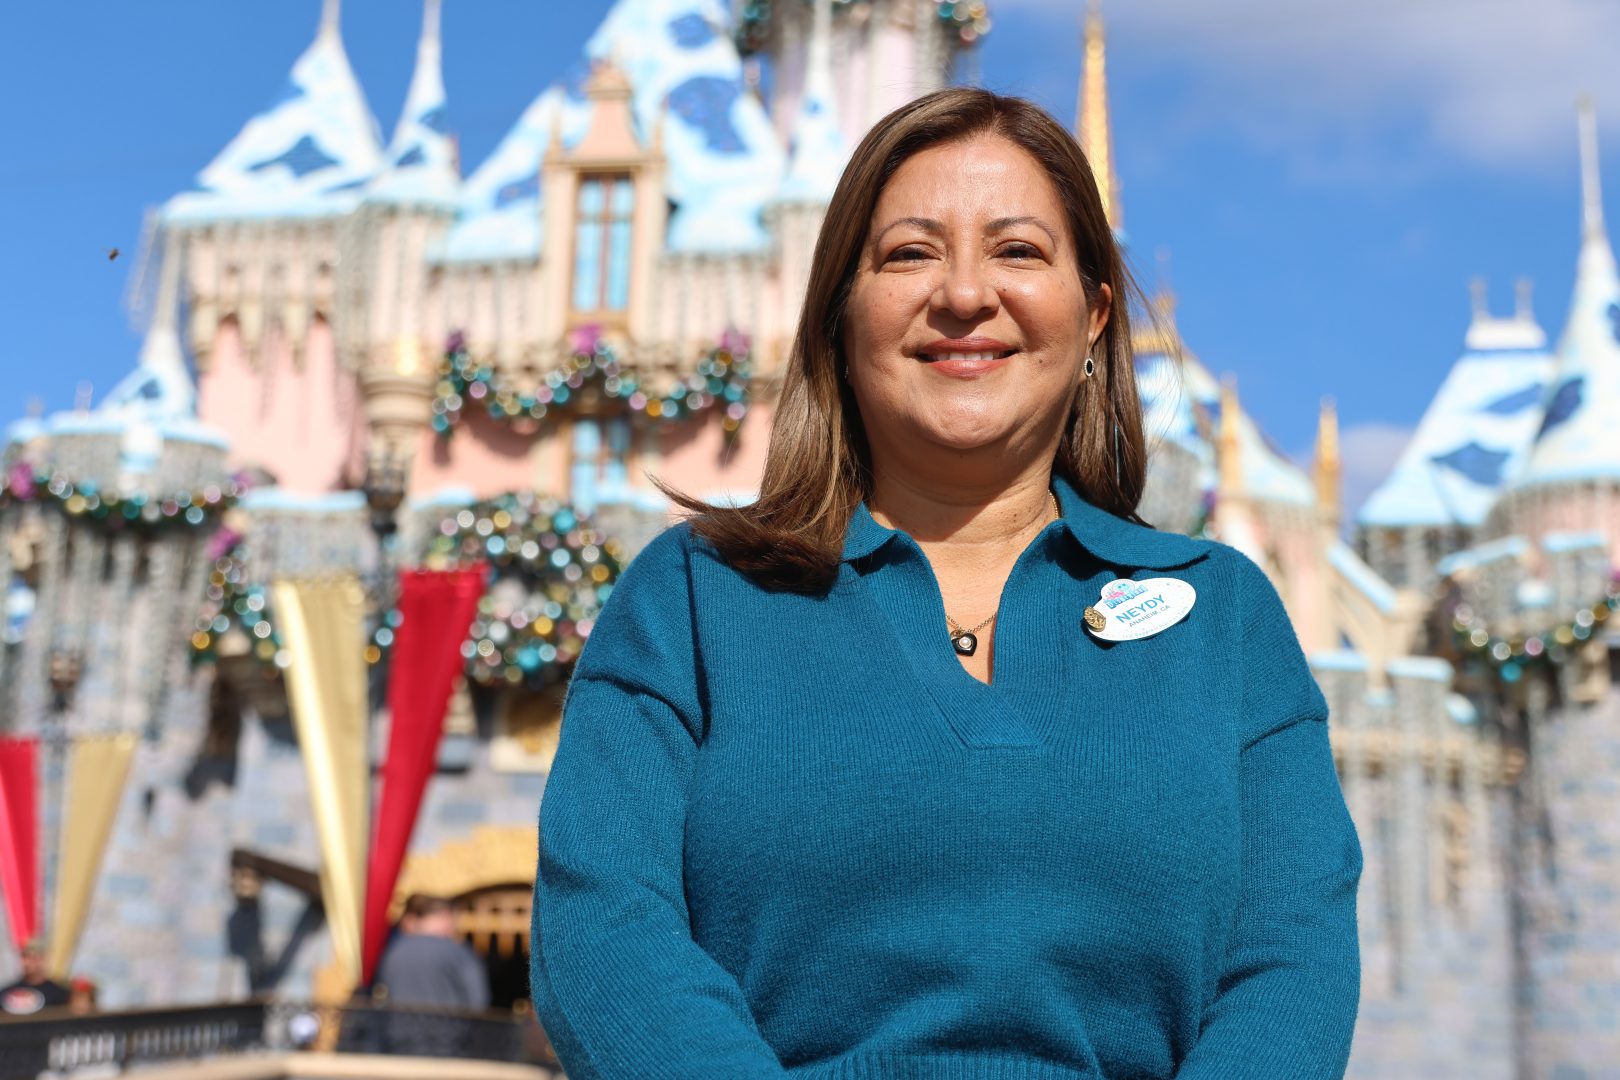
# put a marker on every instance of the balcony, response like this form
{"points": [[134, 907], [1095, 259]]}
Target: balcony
{"points": [[270, 1040]]}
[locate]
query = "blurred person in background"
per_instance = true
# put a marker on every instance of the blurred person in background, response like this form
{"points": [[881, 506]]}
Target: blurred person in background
{"points": [[429, 967], [35, 990]]}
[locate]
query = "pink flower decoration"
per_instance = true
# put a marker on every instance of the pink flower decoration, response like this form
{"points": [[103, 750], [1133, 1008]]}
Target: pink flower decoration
{"points": [[585, 339], [21, 480]]}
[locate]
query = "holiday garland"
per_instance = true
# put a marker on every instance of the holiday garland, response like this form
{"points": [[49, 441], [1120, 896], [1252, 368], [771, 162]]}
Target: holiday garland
{"points": [[232, 602], [551, 571], [970, 18], [1510, 657], [720, 381], [88, 501]]}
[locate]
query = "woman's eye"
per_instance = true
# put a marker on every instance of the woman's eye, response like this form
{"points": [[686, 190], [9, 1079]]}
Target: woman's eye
{"points": [[1021, 251], [908, 254]]}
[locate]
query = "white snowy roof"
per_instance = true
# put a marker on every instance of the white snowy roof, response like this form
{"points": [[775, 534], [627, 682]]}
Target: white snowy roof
{"points": [[1474, 436], [500, 202], [1171, 393], [420, 166], [723, 160], [1579, 436], [307, 155]]}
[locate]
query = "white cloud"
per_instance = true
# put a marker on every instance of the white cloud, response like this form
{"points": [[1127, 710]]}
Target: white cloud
{"points": [[1493, 81]]}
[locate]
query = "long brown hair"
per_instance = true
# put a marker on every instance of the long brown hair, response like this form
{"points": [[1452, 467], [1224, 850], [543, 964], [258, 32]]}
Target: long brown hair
{"points": [[818, 465]]}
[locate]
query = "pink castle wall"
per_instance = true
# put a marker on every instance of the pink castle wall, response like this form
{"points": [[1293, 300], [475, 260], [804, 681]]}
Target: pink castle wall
{"points": [[303, 423]]}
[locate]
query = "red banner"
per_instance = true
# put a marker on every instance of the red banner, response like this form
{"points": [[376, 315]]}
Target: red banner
{"points": [[19, 836], [437, 609]]}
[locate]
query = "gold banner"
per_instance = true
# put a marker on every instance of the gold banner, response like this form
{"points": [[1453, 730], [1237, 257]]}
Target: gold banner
{"points": [[321, 626], [97, 768]]}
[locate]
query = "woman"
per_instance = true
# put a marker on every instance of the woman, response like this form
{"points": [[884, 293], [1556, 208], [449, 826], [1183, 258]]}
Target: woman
{"points": [[848, 787]]}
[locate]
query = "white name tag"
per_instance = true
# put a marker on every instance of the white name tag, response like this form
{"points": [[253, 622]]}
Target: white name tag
{"points": [[1129, 610]]}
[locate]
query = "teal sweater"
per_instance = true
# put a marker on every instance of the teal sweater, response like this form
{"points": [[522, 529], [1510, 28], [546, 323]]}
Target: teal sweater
{"points": [[789, 835]]}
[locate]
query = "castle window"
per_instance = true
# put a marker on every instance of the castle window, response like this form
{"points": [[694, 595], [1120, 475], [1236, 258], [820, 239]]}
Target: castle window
{"points": [[600, 470], [602, 243]]}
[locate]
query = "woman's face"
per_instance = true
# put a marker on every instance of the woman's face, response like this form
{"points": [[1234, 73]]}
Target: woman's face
{"points": [[967, 325]]}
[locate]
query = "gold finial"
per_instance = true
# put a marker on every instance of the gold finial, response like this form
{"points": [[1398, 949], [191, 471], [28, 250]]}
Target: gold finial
{"points": [[1328, 470], [1227, 453], [1091, 119]]}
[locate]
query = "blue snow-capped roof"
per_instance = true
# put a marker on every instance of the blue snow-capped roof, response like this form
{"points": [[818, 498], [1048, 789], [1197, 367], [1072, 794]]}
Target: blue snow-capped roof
{"points": [[500, 202], [420, 165], [1578, 437], [1474, 436], [1171, 392], [307, 155], [723, 160]]}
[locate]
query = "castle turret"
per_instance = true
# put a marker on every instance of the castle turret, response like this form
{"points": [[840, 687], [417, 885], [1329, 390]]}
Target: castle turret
{"points": [[1093, 126], [815, 162], [1471, 444], [390, 319], [260, 242], [1571, 479]]}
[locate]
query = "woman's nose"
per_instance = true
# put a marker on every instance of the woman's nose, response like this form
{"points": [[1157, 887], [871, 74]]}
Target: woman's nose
{"points": [[966, 290]]}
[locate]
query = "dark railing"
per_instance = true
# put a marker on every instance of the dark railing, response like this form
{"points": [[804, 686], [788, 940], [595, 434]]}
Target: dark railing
{"points": [[63, 1042]]}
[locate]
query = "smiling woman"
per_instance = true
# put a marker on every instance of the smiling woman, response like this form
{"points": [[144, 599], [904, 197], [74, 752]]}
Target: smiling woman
{"points": [[961, 210], [936, 763]]}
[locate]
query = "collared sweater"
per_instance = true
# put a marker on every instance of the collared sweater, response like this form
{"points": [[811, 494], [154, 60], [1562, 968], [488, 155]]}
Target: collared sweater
{"points": [[789, 835]]}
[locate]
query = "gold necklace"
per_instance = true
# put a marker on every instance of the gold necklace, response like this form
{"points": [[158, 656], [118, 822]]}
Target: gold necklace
{"points": [[966, 642]]}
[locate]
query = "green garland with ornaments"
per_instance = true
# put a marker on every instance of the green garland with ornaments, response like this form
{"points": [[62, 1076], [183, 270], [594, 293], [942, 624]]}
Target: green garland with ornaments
{"points": [[235, 603], [969, 18], [89, 502], [1511, 657], [719, 383], [551, 570]]}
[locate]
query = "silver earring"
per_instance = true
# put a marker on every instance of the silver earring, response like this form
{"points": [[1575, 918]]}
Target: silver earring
{"points": [[1091, 367], [846, 373]]}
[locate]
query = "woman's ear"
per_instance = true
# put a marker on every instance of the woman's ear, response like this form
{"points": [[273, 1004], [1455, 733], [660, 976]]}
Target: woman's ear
{"points": [[1099, 313]]}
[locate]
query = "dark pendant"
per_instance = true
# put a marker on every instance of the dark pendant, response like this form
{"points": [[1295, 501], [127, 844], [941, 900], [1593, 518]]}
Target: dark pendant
{"points": [[965, 643]]}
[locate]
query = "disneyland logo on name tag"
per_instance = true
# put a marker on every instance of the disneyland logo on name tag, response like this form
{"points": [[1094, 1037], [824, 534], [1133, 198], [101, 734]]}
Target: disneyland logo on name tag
{"points": [[1129, 610]]}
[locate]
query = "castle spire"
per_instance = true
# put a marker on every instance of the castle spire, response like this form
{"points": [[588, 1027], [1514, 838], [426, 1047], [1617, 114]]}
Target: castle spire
{"points": [[1228, 453], [160, 388], [1093, 128], [422, 166], [306, 155], [819, 148], [1591, 180], [331, 15], [1328, 468]]}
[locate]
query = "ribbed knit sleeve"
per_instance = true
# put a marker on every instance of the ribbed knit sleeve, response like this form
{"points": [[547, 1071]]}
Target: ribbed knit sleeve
{"points": [[1288, 991], [619, 985]]}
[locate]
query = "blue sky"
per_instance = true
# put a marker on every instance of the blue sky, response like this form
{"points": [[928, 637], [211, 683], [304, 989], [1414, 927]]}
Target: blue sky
{"points": [[1316, 181]]}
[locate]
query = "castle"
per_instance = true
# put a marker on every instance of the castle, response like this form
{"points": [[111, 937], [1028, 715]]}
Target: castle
{"points": [[359, 360]]}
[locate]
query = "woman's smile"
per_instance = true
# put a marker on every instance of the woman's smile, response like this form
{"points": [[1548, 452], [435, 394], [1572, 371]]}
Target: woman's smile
{"points": [[965, 358]]}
